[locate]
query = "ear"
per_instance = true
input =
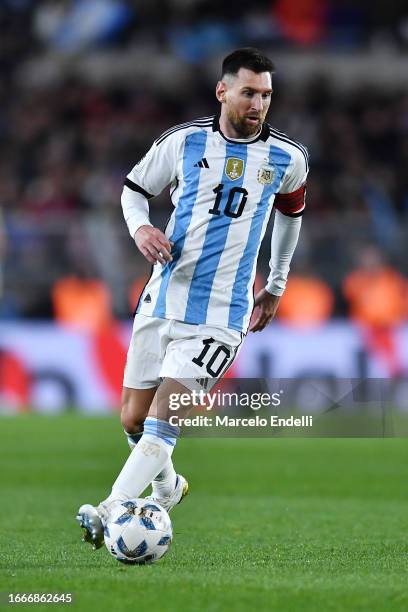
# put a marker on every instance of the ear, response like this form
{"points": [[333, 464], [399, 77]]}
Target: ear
{"points": [[220, 91]]}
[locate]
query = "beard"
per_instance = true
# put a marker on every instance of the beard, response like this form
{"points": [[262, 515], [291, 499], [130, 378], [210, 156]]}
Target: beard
{"points": [[241, 125]]}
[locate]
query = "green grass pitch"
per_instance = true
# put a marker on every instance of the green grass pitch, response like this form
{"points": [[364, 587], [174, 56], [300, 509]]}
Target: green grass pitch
{"points": [[270, 524]]}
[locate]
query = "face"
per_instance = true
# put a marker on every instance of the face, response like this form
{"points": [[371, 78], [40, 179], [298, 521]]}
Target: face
{"points": [[245, 100]]}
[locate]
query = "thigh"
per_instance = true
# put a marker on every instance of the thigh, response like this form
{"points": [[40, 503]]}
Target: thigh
{"points": [[146, 352]]}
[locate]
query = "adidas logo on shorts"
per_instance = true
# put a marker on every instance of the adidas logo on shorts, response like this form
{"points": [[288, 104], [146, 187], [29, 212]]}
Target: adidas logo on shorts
{"points": [[203, 382]]}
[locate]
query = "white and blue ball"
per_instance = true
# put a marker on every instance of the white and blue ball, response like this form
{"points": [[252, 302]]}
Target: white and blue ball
{"points": [[138, 531]]}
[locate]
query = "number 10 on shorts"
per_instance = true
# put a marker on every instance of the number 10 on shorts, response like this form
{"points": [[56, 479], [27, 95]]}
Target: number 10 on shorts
{"points": [[215, 361]]}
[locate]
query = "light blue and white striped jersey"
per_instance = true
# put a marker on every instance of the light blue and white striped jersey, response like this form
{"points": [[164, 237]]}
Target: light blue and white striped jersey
{"points": [[223, 192]]}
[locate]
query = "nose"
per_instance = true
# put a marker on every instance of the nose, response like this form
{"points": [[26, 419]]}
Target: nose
{"points": [[256, 102]]}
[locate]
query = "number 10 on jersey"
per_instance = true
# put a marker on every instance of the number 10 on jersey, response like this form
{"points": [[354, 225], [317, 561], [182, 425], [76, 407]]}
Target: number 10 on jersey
{"points": [[236, 201]]}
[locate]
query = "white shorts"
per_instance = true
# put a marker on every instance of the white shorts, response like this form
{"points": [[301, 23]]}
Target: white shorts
{"points": [[195, 355]]}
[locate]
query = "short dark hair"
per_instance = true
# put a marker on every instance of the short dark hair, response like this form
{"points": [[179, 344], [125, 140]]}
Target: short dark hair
{"points": [[249, 58]]}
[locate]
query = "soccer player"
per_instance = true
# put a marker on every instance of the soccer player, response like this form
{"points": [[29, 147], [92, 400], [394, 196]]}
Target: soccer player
{"points": [[226, 173]]}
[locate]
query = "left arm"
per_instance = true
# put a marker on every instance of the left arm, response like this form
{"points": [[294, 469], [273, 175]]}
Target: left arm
{"points": [[289, 205], [285, 235]]}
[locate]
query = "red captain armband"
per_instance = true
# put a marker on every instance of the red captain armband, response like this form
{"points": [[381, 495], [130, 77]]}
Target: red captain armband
{"points": [[291, 204]]}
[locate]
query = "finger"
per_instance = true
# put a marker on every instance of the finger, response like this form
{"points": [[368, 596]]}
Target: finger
{"points": [[149, 258], [160, 244], [259, 327], [162, 257], [266, 321], [164, 252], [255, 326], [158, 235], [261, 322], [163, 240], [164, 247], [152, 255], [157, 255]]}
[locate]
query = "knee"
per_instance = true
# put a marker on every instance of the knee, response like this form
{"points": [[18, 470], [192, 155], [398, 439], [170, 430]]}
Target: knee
{"points": [[132, 421]]}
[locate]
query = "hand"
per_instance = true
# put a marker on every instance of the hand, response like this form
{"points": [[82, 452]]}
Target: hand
{"points": [[153, 244], [268, 305]]}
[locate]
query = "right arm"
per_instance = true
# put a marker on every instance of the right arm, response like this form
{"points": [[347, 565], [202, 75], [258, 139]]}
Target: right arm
{"points": [[146, 180], [150, 241]]}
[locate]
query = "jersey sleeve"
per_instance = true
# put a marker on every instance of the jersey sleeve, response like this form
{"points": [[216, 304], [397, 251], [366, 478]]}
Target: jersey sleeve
{"points": [[290, 200], [156, 169]]}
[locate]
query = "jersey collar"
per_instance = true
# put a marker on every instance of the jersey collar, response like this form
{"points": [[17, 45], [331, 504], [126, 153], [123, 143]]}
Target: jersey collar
{"points": [[263, 134]]}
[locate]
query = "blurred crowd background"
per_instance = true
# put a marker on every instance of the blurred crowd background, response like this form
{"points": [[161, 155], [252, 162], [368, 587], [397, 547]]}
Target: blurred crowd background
{"points": [[86, 85]]}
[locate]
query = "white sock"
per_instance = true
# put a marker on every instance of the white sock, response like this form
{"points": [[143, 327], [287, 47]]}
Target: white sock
{"points": [[165, 481], [133, 438], [146, 460]]}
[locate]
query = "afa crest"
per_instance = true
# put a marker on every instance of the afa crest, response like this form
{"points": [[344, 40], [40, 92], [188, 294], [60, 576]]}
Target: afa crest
{"points": [[266, 174], [234, 168]]}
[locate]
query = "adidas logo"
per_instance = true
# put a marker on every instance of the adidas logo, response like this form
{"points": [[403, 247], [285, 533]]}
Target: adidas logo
{"points": [[203, 163], [148, 298], [203, 382]]}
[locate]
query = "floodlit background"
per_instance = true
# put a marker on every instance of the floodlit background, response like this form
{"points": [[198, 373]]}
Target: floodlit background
{"points": [[86, 86]]}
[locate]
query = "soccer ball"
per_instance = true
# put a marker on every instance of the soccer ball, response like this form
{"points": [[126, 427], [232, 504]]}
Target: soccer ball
{"points": [[138, 531]]}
